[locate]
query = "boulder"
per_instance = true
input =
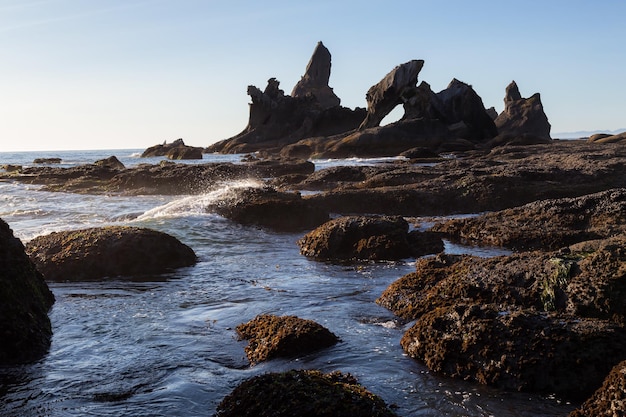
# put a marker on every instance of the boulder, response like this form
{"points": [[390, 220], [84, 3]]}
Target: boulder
{"points": [[47, 161], [305, 393], [609, 399], [395, 88], [517, 349], [270, 208], [271, 336], [24, 303], [111, 162], [96, 253], [314, 82], [522, 117], [357, 238]]}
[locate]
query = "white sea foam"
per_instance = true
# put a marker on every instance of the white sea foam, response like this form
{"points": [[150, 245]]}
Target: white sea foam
{"points": [[195, 205]]}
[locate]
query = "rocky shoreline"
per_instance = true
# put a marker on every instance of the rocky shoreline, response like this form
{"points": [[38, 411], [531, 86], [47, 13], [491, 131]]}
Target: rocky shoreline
{"points": [[548, 318]]}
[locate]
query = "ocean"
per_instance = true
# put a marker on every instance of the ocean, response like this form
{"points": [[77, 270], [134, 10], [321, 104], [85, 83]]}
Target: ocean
{"points": [[167, 346]]}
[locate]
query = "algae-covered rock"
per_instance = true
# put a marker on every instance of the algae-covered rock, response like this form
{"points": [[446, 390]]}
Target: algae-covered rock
{"points": [[95, 253], [302, 394], [25, 299], [273, 336]]}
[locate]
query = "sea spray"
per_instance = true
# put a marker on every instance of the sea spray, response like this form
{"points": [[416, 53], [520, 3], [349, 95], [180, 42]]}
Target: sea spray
{"points": [[200, 204]]}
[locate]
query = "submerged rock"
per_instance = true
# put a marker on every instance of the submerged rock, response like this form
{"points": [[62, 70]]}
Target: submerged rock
{"points": [[303, 393], [24, 303], [96, 253], [271, 336], [367, 238]]}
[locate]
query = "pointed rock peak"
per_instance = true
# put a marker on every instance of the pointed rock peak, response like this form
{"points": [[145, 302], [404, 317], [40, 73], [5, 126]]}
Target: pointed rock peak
{"points": [[512, 93], [314, 82]]}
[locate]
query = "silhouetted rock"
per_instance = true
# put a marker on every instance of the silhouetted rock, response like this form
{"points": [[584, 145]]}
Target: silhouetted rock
{"points": [[522, 117], [305, 393], [174, 150], [357, 238], [395, 88], [314, 82], [271, 336], [96, 253], [24, 303], [47, 161]]}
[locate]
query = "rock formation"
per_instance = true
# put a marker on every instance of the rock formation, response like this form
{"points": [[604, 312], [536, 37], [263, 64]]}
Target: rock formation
{"points": [[277, 120], [522, 118], [174, 150], [96, 253], [314, 82], [395, 88], [271, 336], [24, 303], [305, 393], [361, 238], [609, 399]]}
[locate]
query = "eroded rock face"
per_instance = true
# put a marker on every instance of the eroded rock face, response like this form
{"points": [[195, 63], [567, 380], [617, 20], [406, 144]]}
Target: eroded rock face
{"points": [[609, 399], [306, 393], [395, 88], [96, 253], [520, 350], [24, 303], [367, 238], [272, 209], [271, 336], [522, 116], [314, 82]]}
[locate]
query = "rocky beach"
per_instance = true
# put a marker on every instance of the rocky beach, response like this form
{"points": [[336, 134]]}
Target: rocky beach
{"points": [[544, 316]]}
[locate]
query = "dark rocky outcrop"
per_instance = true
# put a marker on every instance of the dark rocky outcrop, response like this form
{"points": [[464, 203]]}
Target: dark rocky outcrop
{"points": [[545, 224], [530, 321], [111, 162], [519, 350], [96, 253], [270, 208], [174, 150], [24, 303], [277, 120], [606, 138], [357, 238], [305, 393], [271, 336], [609, 400], [522, 118], [314, 82]]}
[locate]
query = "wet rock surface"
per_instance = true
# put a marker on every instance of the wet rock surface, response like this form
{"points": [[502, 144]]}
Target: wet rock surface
{"points": [[311, 393], [270, 336], [270, 208], [24, 303], [358, 238], [115, 251]]}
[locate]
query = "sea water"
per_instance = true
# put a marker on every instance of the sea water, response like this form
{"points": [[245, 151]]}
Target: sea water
{"points": [[166, 346]]}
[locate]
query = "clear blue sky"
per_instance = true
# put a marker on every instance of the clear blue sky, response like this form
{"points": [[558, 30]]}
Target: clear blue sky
{"points": [[106, 74]]}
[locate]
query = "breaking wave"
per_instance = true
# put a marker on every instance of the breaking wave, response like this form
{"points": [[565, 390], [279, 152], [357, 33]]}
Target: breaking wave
{"points": [[195, 205]]}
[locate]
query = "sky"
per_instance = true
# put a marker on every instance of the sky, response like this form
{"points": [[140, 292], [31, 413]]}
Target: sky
{"points": [[128, 74]]}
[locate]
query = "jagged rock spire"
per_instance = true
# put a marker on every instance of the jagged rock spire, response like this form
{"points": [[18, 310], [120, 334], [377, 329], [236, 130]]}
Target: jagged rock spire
{"points": [[314, 82]]}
